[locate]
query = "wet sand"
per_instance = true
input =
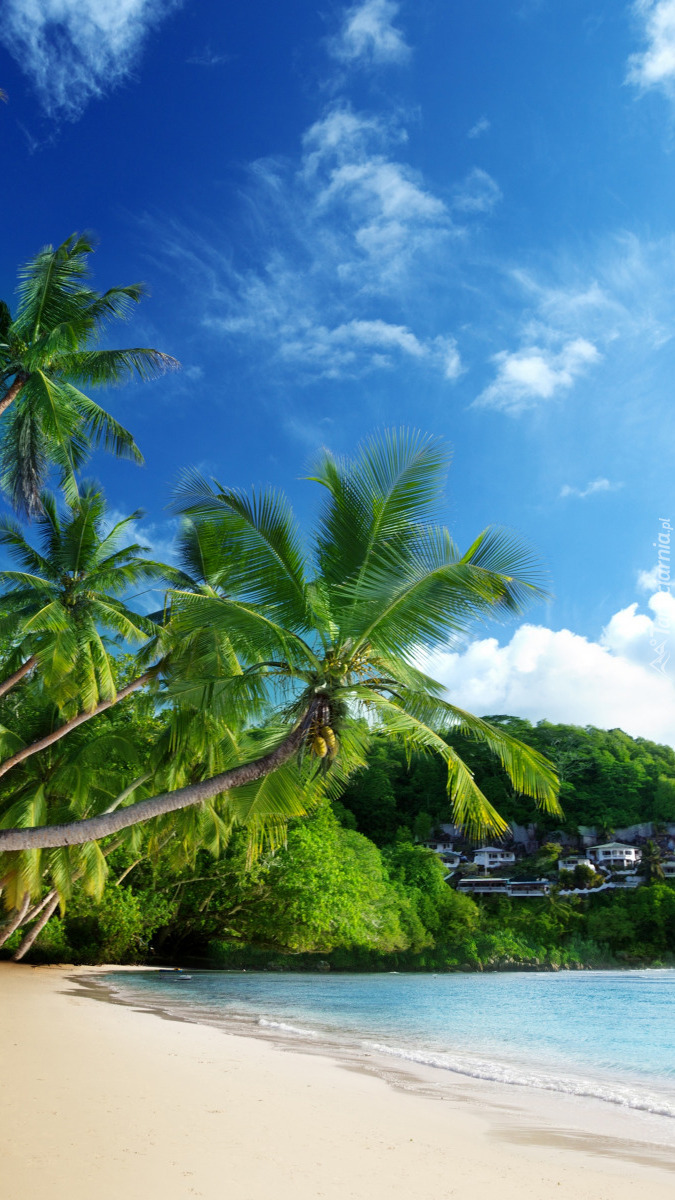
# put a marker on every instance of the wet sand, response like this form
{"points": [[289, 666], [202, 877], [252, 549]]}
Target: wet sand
{"points": [[106, 1100]]}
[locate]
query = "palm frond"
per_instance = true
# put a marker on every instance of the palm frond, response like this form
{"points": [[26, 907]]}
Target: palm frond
{"points": [[50, 285], [531, 774], [102, 428], [260, 543], [429, 597], [253, 634], [105, 367], [387, 489], [471, 809]]}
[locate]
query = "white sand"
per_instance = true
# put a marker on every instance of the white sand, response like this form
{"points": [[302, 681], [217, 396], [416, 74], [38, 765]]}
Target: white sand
{"points": [[104, 1102]]}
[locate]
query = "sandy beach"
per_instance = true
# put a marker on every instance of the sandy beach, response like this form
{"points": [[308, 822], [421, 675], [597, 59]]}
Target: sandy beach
{"points": [[104, 1100]]}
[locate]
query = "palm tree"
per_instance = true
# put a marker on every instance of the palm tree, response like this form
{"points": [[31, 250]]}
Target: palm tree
{"points": [[91, 773], [97, 772], [652, 862], [66, 600], [337, 634], [49, 348]]}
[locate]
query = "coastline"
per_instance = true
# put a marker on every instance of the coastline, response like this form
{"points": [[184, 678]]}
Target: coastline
{"points": [[107, 1098]]}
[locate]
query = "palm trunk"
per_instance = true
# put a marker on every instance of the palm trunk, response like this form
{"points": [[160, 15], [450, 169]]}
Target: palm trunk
{"points": [[17, 918], [30, 937], [62, 730], [51, 899], [36, 909], [75, 833], [8, 683], [12, 393]]}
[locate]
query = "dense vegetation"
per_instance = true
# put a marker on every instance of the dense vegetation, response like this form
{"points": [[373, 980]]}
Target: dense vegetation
{"points": [[608, 780], [336, 897]]}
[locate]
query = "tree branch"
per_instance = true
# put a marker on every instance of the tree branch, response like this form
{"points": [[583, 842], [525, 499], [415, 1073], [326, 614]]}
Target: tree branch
{"points": [[25, 669], [62, 730], [75, 833]]}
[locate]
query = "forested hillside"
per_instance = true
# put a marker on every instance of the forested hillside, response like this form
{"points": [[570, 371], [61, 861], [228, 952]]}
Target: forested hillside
{"points": [[352, 889], [608, 779]]}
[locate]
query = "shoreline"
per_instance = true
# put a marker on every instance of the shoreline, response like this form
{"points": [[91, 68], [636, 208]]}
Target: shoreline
{"points": [[437, 1073], [107, 1096]]}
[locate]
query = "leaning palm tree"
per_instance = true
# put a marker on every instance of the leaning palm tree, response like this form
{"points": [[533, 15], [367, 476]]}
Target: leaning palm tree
{"points": [[65, 602], [47, 351], [337, 632], [88, 774], [98, 770]]}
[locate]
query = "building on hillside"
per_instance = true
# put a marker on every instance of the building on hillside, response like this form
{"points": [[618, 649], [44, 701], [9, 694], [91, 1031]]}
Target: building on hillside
{"points": [[668, 867], [615, 856], [441, 842], [529, 887], [491, 858], [449, 857], [570, 861], [483, 886]]}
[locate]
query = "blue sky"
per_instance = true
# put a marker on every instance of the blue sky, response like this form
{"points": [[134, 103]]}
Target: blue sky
{"points": [[454, 216]]}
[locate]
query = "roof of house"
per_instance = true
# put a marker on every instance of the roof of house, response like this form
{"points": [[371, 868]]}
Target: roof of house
{"points": [[613, 846]]}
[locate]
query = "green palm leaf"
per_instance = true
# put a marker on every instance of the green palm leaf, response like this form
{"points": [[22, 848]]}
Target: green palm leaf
{"points": [[49, 349]]}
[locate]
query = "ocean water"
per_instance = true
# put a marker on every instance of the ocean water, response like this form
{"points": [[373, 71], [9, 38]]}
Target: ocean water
{"points": [[603, 1034]]}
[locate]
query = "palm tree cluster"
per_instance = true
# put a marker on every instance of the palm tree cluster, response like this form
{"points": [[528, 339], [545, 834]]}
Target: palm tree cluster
{"points": [[272, 659]]}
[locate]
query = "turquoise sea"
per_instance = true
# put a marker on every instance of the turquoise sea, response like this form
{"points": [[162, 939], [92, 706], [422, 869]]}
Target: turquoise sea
{"points": [[603, 1034]]}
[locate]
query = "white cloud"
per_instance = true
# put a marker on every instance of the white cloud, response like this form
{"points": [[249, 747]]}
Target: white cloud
{"points": [[352, 182], [591, 489], [369, 36], [654, 67], [481, 126], [534, 374], [342, 243], [340, 350], [626, 679], [477, 193], [628, 295], [648, 581], [76, 50], [615, 302]]}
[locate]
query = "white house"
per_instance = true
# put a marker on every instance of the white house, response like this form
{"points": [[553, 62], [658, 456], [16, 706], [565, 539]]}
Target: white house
{"points": [[441, 843], [574, 860], [483, 886], [529, 887], [449, 857], [490, 858], [615, 856], [668, 866]]}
